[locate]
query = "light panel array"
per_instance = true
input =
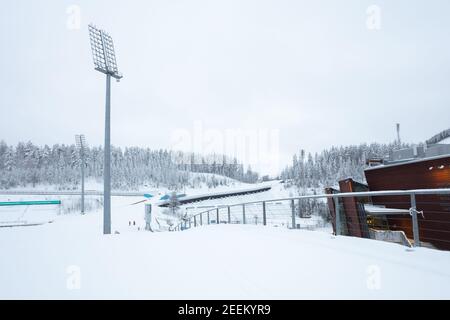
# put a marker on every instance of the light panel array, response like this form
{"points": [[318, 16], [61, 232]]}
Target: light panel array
{"points": [[97, 48], [110, 53], [103, 52], [80, 140]]}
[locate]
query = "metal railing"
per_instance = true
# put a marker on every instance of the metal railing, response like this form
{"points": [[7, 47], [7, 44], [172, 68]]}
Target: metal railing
{"points": [[409, 210]]}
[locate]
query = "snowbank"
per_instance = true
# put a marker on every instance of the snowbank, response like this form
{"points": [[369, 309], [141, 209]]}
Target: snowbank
{"points": [[70, 259]]}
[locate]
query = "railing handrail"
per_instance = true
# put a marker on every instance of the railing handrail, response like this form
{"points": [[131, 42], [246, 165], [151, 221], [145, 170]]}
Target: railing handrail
{"points": [[333, 195]]}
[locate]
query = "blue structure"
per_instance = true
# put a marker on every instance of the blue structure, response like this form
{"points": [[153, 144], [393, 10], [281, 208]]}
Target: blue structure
{"points": [[167, 196]]}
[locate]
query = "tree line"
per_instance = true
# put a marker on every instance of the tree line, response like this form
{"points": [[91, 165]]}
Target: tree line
{"points": [[329, 166], [27, 164]]}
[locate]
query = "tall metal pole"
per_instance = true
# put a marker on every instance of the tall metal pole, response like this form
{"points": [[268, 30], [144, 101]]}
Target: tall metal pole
{"points": [[264, 214], [338, 216], [415, 222], [107, 162], [293, 213], [105, 62], [82, 177]]}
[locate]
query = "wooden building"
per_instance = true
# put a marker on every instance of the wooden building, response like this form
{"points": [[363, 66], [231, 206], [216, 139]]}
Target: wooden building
{"points": [[421, 167]]}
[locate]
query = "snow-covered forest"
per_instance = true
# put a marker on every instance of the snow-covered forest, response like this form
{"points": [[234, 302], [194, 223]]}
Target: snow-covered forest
{"points": [[28, 164], [329, 166]]}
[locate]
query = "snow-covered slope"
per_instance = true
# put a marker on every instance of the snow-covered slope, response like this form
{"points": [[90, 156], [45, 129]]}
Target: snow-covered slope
{"points": [[161, 217], [70, 259], [276, 191], [198, 183]]}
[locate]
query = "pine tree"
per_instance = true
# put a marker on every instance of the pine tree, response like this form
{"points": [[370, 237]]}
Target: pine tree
{"points": [[174, 203]]}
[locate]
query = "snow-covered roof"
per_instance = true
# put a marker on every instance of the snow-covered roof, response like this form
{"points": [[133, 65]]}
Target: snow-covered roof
{"points": [[406, 162], [219, 194], [380, 210]]}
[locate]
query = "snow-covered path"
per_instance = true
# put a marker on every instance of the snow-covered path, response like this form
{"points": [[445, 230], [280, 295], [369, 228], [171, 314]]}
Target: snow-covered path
{"points": [[218, 261]]}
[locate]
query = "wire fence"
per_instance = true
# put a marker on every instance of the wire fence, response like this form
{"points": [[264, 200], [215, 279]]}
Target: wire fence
{"points": [[277, 213], [411, 217]]}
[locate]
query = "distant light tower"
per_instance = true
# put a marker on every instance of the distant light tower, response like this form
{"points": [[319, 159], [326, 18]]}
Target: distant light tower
{"points": [[80, 140], [105, 61]]}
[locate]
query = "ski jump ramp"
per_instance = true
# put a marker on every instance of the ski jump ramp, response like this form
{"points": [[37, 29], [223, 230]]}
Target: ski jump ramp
{"points": [[217, 195]]}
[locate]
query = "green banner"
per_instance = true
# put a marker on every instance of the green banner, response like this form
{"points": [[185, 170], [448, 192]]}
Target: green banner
{"points": [[30, 203]]}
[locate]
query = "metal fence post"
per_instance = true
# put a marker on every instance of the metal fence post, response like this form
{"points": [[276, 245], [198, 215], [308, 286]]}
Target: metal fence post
{"points": [[217, 213], [299, 208], [229, 215], [264, 213], [209, 221], [243, 214], [190, 223], [415, 222], [338, 216], [201, 218], [293, 213], [195, 221]]}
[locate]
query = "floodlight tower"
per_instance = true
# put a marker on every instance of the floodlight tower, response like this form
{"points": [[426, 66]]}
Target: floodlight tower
{"points": [[105, 61], [80, 141]]}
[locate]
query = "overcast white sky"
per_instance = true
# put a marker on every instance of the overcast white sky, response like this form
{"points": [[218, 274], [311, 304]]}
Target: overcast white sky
{"points": [[310, 70]]}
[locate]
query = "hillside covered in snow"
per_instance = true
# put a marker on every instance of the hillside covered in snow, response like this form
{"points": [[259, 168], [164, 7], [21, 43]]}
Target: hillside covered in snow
{"points": [[71, 259], [28, 165]]}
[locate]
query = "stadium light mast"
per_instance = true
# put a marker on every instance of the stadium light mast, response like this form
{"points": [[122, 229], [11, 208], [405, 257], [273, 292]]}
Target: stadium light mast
{"points": [[105, 62], [80, 141]]}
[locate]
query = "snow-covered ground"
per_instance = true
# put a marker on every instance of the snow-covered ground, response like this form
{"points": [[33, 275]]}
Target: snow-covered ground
{"points": [[278, 212], [72, 204], [71, 259]]}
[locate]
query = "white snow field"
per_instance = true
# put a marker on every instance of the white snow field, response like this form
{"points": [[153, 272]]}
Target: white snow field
{"points": [[71, 259]]}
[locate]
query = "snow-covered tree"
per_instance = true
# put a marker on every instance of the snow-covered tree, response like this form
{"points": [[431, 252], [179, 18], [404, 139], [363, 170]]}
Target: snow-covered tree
{"points": [[331, 165], [132, 167], [174, 203]]}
